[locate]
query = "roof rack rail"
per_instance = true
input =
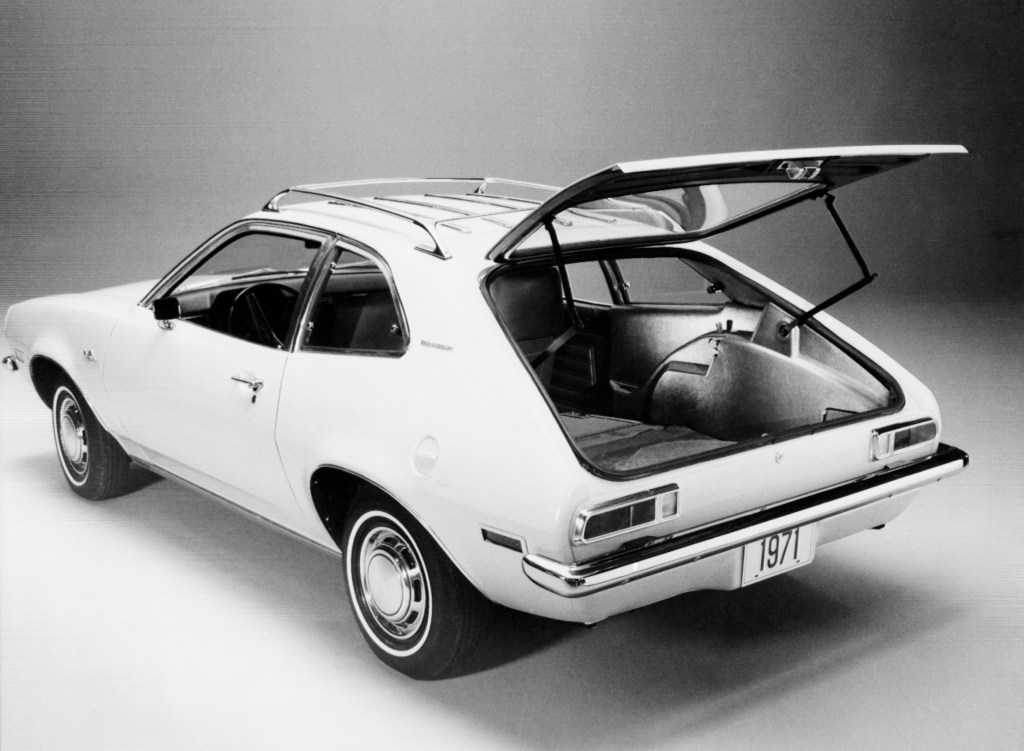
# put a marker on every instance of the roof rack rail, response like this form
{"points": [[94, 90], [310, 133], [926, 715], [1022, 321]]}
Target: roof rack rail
{"points": [[437, 250], [335, 193]]}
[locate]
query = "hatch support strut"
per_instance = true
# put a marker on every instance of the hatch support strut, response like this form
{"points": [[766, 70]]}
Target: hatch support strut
{"points": [[868, 277]]}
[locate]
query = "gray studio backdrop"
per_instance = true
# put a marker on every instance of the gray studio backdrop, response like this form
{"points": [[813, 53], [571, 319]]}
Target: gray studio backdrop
{"points": [[131, 131]]}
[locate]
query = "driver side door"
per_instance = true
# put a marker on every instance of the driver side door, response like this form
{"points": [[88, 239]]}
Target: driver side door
{"points": [[199, 394]]}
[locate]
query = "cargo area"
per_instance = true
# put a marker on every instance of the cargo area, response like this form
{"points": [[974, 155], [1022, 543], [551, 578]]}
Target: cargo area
{"points": [[667, 358]]}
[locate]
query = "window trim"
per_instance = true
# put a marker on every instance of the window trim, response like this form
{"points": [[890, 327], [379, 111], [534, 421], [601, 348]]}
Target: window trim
{"points": [[323, 272], [213, 245]]}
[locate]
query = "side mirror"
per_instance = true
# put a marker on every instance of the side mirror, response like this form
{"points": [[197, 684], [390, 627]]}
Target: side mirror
{"points": [[166, 309]]}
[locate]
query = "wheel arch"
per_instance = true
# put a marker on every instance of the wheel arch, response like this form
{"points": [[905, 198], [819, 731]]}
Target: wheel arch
{"points": [[46, 375], [334, 490]]}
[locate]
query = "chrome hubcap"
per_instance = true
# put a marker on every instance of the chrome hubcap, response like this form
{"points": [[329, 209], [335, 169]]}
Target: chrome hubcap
{"points": [[71, 431], [394, 591]]}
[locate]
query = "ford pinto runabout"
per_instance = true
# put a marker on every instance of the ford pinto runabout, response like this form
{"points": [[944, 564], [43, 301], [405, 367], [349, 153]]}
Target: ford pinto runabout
{"points": [[485, 391]]}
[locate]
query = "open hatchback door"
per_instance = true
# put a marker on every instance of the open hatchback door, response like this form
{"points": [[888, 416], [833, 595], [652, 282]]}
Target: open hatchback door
{"points": [[691, 198], [654, 351]]}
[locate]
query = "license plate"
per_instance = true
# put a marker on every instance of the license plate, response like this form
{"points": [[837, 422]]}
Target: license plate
{"points": [[778, 553]]}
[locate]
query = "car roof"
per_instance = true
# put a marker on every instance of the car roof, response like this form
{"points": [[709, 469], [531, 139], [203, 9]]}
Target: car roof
{"points": [[441, 216], [420, 211]]}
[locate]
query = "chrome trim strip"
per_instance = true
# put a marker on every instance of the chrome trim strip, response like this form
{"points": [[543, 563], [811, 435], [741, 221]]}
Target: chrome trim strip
{"points": [[189, 263], [877, 451], [460, 213], [583, 579], [424, 204], [169, 475], [529, 201], [484, 200], [585, 514]]}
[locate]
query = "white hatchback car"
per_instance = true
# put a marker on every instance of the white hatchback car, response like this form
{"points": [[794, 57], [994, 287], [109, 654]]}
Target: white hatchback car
{"points": [[561, 401]]}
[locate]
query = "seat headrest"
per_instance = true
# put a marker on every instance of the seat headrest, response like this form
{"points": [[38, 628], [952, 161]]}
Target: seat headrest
{"points": [[529, 302]]}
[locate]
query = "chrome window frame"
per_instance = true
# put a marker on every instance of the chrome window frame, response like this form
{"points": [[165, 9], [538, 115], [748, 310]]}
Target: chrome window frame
{"points": [[334, 249], [213, 245]]}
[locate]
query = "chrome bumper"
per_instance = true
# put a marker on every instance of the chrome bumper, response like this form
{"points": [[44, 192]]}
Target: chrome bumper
{"points": [[580, 580]]}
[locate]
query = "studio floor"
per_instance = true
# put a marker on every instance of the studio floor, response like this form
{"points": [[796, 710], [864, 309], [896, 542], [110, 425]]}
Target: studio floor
{"points": [[162, 620]]}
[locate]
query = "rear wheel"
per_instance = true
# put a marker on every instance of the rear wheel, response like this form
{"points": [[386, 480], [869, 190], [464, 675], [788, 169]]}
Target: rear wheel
{"points": [[417, 612], [94, 464]]}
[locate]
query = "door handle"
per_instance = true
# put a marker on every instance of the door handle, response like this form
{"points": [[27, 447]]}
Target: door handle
{"points": [[254, 384]]}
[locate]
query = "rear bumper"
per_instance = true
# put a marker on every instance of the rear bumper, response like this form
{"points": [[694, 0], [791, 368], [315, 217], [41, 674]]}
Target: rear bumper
{"points": [[884, 488]]}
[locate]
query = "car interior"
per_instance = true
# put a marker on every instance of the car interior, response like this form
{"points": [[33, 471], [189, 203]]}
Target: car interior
{"points": [[355, 310], [637, 384]]}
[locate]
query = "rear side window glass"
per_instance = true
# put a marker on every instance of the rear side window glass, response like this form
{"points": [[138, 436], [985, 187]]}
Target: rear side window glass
{"points": [[588, 282], [666, 279], [356, 310]]}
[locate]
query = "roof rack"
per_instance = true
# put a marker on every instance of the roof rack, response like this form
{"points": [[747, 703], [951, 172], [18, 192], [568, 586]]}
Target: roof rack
{"points": [[335, 193], [437, 250]]}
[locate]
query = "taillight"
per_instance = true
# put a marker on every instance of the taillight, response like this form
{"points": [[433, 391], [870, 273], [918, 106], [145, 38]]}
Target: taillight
{"points": [[892, 440], [626, 514]]}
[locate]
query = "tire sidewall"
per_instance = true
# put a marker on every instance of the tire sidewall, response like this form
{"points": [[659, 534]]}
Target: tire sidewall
{"points": [[456, 612], [61, 396], [366, 520]]}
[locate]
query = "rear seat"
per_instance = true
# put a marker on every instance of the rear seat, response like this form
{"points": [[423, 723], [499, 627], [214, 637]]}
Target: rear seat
{"points": [[357, 312]]}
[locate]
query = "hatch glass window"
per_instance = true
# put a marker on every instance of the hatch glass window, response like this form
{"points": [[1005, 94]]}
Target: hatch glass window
{"points": [[693, 209]]}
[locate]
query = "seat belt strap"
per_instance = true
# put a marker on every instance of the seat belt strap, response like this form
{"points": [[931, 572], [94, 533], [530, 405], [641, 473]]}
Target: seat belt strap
{"points": [[556, 345]]}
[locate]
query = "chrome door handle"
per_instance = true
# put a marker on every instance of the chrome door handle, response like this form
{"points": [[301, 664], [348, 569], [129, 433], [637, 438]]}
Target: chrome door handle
{"points": [[254, 384]]}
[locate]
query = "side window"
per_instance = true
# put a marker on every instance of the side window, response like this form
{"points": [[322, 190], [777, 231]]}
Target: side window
{"points": [[254, 255], [355, 310], [249, 287], [588, 282], [666, 279]]}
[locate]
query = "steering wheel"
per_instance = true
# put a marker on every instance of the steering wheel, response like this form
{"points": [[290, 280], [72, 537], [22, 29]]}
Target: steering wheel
{"points": [[262, 312]]}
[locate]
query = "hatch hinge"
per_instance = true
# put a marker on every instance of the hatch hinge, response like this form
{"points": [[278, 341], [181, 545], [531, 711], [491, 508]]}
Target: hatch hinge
{"points": [[866, 279]]}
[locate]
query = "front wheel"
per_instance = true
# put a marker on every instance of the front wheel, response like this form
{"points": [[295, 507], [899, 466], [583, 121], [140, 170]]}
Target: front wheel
{"points": [[417, 612], [94, 464]]}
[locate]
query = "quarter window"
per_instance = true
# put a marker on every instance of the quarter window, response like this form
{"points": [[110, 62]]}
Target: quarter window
{"points": [[666, 279], [588, 282], [355, 310]]}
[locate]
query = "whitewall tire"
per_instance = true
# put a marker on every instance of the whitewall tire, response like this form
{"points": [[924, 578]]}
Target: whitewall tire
{"points": [[415, 609], [94, 464]]}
